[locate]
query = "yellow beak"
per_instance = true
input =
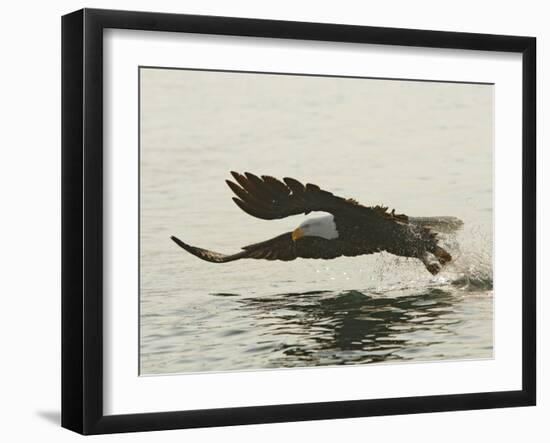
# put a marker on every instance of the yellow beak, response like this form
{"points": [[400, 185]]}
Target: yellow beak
{"points": [[297, 233]]}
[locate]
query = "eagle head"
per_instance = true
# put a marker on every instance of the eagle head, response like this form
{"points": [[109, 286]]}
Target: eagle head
{"points": [[324, 227]]}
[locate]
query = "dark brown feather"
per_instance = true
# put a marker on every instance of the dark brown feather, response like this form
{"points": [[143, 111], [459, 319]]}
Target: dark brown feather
{"points": [[361, 229], [268, 198], [281, 247]]}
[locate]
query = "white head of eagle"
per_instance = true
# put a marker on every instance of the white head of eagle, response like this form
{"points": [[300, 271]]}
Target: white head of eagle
{"points": [[323, 227]]}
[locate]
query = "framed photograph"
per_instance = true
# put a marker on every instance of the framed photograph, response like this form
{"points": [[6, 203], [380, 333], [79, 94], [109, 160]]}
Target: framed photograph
{"points": [[269, 221]]}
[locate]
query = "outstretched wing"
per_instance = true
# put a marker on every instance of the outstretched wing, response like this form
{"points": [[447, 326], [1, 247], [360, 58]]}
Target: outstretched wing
{"points": [[205, 254], [267, 198], [281, 247]]}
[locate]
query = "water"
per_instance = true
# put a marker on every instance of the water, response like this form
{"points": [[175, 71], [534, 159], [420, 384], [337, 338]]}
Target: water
{"points": [[423, 148]]}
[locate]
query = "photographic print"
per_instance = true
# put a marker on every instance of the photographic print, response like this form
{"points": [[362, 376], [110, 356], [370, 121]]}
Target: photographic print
{"points": [[292, 221], [252, 204]]}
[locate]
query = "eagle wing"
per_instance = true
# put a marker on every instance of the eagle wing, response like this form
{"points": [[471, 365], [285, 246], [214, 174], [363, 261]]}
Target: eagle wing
{"points": [[268, 198], [281, 247]]}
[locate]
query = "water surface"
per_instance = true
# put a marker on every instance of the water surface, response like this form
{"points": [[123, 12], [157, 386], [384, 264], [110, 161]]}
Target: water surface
{"points": [[422, 148]]}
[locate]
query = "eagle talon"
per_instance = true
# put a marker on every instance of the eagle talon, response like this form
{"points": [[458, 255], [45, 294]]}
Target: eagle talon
{"points": [[434, 268]]}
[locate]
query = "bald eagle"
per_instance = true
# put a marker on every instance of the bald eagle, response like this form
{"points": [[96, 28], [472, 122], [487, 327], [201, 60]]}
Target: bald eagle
{"points": [[349, 229]]}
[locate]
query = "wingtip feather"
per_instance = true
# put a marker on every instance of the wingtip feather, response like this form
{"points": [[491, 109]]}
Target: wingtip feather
{"points": [[236, 175], [231, 184], [178, 242]]}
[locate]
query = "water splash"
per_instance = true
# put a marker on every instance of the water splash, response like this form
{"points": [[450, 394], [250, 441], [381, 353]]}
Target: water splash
{"points": [[472, 268]]}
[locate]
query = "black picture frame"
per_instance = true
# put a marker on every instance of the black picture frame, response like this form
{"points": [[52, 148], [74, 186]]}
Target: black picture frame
{"points": [[82, 220]]}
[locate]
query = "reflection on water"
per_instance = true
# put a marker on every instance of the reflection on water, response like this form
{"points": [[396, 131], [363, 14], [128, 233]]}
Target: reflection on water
{"points": [[328, 328], [352, 327]]}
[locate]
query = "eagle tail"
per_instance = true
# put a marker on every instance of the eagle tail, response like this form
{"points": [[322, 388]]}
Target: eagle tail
{"points": [[443, 224], [204, 254]]}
